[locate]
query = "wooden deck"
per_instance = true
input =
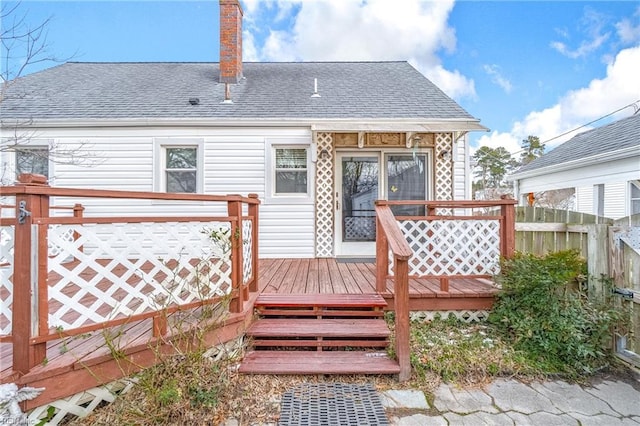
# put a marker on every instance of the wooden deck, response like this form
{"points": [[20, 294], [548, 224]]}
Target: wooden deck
{"points": [[74, 362], [336, 276]]}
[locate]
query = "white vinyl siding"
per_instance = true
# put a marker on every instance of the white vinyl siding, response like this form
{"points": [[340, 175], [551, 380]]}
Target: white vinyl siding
{"points": [[233, 162], [615, 196], [461, 185]]}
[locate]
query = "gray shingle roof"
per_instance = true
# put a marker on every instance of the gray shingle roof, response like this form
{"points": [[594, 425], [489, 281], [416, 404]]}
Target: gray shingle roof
{"points": [[621, 134], [349, 90]]}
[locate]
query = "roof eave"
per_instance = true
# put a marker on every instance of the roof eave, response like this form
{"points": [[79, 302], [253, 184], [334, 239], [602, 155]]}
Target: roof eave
{"points": [[316, 124], [582, 162]]}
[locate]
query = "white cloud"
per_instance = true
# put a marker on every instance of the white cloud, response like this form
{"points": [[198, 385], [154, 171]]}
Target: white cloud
{"points": [[374, 30], [627, 31], [498, 78], [618, 88], [592, 26]]}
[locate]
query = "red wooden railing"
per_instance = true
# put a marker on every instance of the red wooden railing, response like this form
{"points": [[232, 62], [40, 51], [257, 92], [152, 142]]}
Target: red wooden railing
{"points": [[440, 245], [30, 328]]}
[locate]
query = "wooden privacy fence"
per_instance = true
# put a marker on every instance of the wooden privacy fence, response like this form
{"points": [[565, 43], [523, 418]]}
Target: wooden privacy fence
{"points": [[611, 248], [64, 275], [437, 239]]}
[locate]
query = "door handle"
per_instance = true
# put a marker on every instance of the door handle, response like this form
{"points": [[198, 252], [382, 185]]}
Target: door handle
{"points": [[337, 201]]}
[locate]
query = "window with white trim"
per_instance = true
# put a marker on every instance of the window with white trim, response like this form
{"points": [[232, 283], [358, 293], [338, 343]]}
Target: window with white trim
{"points": [[289, 172], [34, 159], [634, 197], [179, 166]]}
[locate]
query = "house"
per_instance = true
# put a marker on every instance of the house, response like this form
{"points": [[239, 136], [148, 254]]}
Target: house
{"points": [[299, 135], [603, 165]]}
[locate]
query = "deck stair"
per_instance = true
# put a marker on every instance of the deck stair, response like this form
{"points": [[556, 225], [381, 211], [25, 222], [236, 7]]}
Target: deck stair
{"points": [[319, 334]]}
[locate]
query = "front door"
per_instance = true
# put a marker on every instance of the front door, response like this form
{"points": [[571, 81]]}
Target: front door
{"points": [[364, 177]]}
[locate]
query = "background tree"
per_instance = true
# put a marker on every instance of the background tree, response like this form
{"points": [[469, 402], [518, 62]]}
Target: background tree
{"points": [[24, 46], [492, 165], [532, 149]]}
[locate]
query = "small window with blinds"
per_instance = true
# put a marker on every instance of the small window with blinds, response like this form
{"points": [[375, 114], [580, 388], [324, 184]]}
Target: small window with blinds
{"points": [[291, 171]]}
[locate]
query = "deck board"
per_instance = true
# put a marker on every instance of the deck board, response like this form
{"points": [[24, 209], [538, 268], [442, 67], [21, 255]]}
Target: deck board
{"points": [[67, 359]]}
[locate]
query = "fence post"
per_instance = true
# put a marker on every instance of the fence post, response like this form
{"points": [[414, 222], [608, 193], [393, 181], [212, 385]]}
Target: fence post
{"points": [[254, 213], [234, 209], [597, 259], [25, 323]]}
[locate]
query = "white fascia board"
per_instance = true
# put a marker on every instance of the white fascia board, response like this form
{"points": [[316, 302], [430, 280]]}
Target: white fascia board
{"points": [[581, 162], [317, 124]]}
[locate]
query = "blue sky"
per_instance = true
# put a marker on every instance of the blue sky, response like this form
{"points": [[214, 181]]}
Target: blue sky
{"points": [[524, 68]]}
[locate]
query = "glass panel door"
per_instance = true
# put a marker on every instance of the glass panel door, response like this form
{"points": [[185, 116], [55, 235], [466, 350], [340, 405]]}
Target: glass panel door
{"points": [[357, 189], [359, 193], [406, 180]]}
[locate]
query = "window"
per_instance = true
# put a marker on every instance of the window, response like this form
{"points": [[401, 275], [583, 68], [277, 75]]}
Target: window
{"points": [[181, 169], [634, 197], [179, 165], [291, 171], [32, 160]]}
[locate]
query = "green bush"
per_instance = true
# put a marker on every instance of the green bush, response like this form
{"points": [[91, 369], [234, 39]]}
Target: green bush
{"points": [[556, 327]]}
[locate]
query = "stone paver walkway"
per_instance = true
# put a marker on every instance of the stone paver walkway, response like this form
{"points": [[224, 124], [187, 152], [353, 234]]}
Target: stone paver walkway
{"points": [[510, 402]]}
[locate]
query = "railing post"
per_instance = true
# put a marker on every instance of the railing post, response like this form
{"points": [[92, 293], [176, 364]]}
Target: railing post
{"points": [[27, 300], [78, 212], [401, 276], [234, 209], [254, 213], [382, 258], [508, 240]]}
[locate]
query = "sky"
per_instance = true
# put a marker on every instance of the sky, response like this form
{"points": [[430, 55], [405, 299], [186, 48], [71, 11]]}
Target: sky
{"points": [[540, 68]]}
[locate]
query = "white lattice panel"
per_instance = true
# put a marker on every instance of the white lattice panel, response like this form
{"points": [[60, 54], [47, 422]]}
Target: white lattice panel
{"points": [[464, 316], [452, 247], [444, 167], [116, 270], [324, 196], [247, 252], [81, 404], [6, 273]]}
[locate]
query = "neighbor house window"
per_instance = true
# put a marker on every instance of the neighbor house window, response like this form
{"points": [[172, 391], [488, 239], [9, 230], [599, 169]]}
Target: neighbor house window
{"points": [[179, 165], [634, 197], [291, 171], [32, 160]]}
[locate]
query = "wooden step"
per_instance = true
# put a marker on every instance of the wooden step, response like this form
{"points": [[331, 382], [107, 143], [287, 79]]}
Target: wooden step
{"points": [[321, 305], [285, 327], [274, 300], [308, 362]]}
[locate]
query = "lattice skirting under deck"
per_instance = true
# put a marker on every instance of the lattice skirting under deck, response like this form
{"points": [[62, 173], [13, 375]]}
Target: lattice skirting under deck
{"points": [[83, 403], [464, 316]]}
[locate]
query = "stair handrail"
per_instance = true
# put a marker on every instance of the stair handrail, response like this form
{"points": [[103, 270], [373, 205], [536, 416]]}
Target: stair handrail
{"points": [[389, 237]]}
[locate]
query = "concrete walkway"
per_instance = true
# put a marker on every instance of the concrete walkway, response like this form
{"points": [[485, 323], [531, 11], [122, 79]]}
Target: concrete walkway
{"points": [[510, 402]]}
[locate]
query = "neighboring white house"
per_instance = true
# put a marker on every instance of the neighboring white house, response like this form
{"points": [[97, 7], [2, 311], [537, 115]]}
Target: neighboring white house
{"points": [[294, 133], [603, 165]]}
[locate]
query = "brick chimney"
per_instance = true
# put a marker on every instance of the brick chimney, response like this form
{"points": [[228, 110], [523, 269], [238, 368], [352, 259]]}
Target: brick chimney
{"points": [[230, 41]]}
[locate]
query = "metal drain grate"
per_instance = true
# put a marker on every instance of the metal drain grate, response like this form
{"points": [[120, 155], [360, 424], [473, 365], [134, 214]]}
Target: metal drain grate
{"points": [[329, 404]]}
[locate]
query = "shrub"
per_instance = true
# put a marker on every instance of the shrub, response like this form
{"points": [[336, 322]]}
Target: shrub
{"points": [[558, 328]]}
